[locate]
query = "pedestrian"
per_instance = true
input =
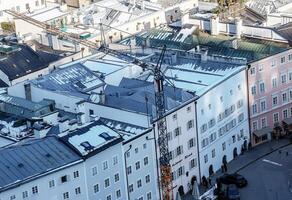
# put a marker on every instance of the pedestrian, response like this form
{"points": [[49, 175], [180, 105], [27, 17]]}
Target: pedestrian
{"points": [[210, 181], [225, 167]]}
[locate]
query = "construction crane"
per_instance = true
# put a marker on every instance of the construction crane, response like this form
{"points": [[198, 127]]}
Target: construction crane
{"points": [[165, 179]]}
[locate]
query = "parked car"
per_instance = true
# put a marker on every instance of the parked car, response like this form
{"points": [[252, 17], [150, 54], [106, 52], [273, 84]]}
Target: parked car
{"points": [[235, 178], [232, 192]]}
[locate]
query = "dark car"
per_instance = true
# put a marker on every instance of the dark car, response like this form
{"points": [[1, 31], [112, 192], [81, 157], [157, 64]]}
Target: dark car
{"points": [[232, 192], [236, 179]]}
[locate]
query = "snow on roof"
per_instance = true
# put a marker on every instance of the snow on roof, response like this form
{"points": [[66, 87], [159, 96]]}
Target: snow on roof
{"points": [[48, 13], [91, 137]]}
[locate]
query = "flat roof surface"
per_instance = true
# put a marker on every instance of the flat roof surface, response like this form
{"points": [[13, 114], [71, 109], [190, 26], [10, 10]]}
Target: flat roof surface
{"points": [[48, 13]]}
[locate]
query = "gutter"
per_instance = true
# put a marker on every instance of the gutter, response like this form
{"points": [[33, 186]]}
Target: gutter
{"points": [[197, 131]]}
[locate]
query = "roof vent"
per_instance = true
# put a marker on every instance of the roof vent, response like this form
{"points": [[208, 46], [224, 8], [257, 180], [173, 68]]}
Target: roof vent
{"points": [[106, 136], [20, 165], [48, 155], [87, 146]]}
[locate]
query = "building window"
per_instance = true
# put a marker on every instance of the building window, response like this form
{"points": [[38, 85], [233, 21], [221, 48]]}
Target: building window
{"points": [[252, 71], [254, 109], [290, 76], [139, 183], [264, 122], [274, 82], [179, 150], [231, 92], [180, 171], [190, 124], [109, 197], [136, 150], [275, 100], [12, 197], [131, 188], [290, 57], [263, 105], [240, 117], [147, 178], [262, 87], [191, 143], [105, 165], [34, 189], [255, 125], [276, 117], [282, 59], [94, 171], [66, 195], [177, 131], [148, 196], [211, 123], [213, 153], [169, 136], [284, 97], [273, 63], [115, 160], [193, 163], [128, 154], [223, 146], [76, 174], [174, 117], [24, 194], [253, 90], [189, 109], [261, 68], [77, 190], [91, 112], [137, 164], [51, 183], [206, 158], [221, 98], [203, 128], [118, 194], [64, 179], [117, 177], [96, 188], [144, 146], [146, 161], [202, 111], [285, 113], [129, 170], [106, 182], [283, 78], [212, 137], [233, 138]]}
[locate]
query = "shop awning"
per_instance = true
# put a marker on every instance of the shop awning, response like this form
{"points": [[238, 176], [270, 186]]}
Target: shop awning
{"points": [[263, 131]]}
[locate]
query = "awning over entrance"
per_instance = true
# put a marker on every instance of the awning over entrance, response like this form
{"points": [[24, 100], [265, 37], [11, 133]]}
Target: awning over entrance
{"points": [[288, 121], [263, 131]]}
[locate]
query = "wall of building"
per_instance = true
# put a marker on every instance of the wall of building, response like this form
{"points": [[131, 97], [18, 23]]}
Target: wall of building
{"points": [[213, 131], [140, 159], [55, 192], [180, 134], [276, 78], [108, 164]]}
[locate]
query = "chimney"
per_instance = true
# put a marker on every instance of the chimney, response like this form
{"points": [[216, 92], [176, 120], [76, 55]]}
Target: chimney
{"points": [[63, 125], [27, 90], [133, 41], [234, 43], [214, 25], [238, 26], [101, 97], [198, 48], [40, 130], [204, 56]]}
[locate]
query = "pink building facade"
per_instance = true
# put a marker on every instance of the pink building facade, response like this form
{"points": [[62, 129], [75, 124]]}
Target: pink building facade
{"points": [[270, 95]]}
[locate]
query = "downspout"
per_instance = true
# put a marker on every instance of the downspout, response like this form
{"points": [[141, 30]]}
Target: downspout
{"points": [[197, 131], [127, 179], [248, 107]]}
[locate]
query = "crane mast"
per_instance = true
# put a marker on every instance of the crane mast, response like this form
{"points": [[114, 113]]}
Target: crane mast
{"points": [[165, 179]]}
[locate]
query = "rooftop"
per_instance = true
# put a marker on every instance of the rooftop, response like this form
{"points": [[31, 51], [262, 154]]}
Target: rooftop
{"points": [[24, 108], [49, 13], [138, 96], [267, 6], [33, 158], [192, 73], [251, 49], [91, 137], [19, 60], [75, 80]]}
